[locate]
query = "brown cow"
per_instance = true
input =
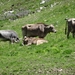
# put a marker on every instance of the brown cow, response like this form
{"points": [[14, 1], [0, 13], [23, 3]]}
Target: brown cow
{"points": [[39, 29], [70, 26], [32, 40]]}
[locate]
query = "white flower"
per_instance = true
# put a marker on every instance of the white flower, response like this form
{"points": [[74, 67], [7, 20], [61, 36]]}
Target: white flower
{"points": [[42, 2], [41, 8]]}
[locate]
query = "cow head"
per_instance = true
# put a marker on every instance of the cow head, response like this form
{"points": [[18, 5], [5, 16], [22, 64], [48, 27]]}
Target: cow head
{"points": [[72, 20], [25, 40], [50, 28], [15, 40]]}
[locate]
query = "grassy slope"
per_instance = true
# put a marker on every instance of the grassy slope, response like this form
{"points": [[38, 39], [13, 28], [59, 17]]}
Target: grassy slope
{"points": [[54, 58]]}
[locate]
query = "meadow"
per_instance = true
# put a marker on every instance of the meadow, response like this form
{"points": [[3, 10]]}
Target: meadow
{"points": [[57, 57]]}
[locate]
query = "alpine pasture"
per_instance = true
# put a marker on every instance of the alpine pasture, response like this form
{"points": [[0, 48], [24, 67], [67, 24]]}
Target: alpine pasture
{"points": [[57, 57]]}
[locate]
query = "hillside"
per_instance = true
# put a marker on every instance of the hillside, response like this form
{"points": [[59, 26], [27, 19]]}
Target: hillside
{"points": [[57, 57]]}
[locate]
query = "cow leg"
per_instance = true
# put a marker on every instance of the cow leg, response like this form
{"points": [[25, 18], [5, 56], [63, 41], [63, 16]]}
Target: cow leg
{"points": [[68, 34], [24, 32], [12, 40], [42, 35]]}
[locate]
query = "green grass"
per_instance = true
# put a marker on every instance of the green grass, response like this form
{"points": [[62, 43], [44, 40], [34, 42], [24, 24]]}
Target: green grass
{"points": [[57, 57]]}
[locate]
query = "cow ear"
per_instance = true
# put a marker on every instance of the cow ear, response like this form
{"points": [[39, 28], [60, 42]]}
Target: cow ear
{"points": [[52, 26], [25, 37], [66, 18], [49, 26]]}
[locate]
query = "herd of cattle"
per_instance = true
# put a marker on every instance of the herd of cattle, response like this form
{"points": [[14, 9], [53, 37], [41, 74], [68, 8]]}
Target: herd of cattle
{"points": [[35, 33]]}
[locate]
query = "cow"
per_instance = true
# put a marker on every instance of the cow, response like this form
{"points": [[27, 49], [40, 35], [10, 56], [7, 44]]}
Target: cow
{"points": [[39, 29], [70, 26], [33, 40], [9, 35]]}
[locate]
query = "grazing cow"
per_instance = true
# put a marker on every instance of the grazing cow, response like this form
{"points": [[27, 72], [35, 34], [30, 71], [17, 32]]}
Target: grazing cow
{"points": [[9, 35], [70, 26], [39, 29], [33, 40]]}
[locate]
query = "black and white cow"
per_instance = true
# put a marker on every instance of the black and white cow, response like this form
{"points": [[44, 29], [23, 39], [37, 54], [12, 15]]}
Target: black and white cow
{"points": [[70, 27]]}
